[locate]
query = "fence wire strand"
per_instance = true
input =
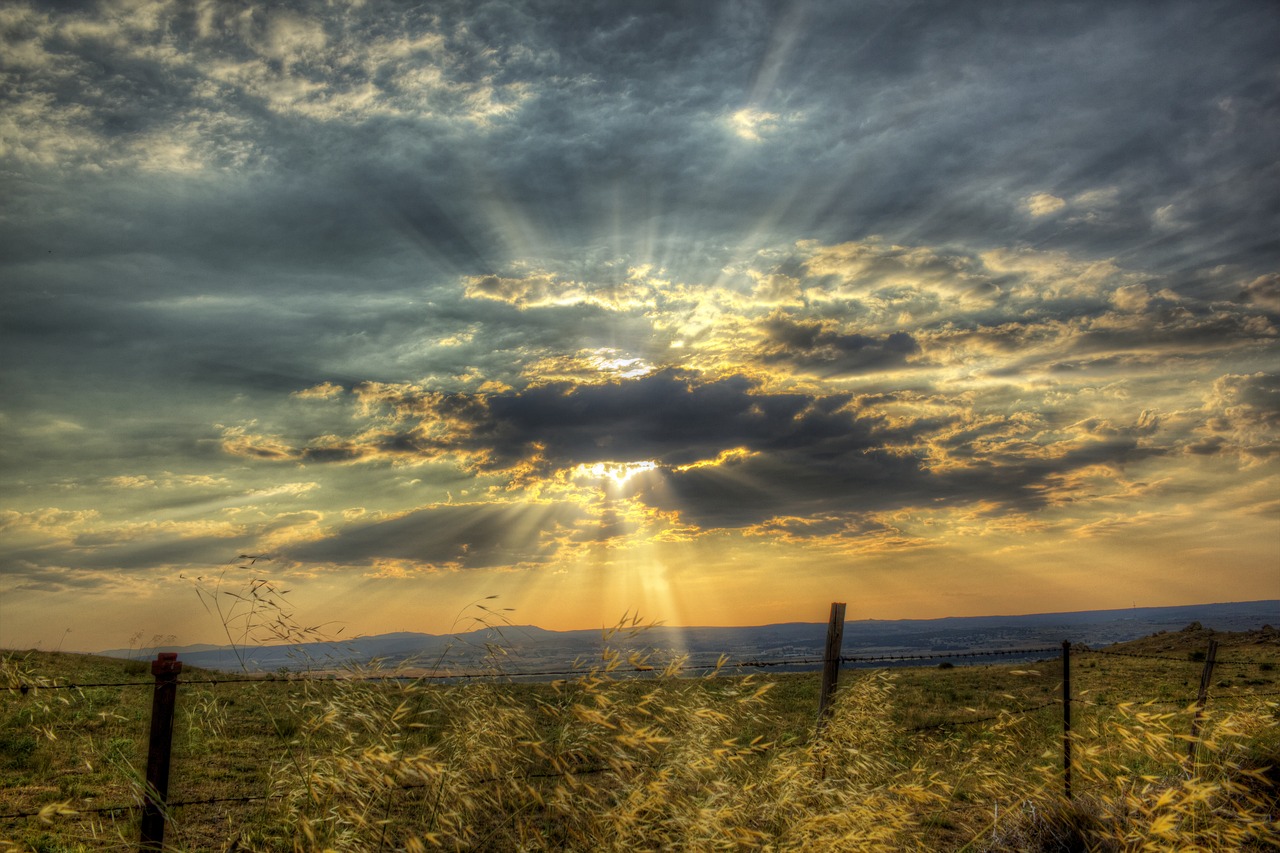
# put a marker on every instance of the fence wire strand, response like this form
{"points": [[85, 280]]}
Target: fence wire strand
{"points": [[137, 806], [1165, 658], [599, 670], [1015, 712]]}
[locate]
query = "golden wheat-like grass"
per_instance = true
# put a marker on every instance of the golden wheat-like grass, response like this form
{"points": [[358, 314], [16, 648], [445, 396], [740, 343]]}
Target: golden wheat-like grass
{"points": [[665, 761]]}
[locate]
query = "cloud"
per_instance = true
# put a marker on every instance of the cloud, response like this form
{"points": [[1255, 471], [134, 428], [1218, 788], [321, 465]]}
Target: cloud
{"points": [[46, 521], [1043, 204], [618, 291], [64, 580], [134, 481], [448, 537], [752, 124], [237, 442], [289, 489], [1131, 298], [1264, 291], [1090, 207], [168, 481], [724, 452], [322, 391], [837, 529], [1242, 416], [130, 548], [819, 347], [875, 266], [167, 90]]}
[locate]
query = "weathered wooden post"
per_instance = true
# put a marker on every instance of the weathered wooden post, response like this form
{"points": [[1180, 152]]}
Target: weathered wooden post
{"points": [[1206, 678], [1066, 718], [831, 661], [165, 668]]}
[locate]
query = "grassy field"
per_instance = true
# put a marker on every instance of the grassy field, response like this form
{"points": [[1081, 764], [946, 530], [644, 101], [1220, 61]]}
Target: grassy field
{"points": [[918, 758]]}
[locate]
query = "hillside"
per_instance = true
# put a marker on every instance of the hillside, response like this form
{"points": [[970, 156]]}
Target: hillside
{"points": [[1195, 638]]}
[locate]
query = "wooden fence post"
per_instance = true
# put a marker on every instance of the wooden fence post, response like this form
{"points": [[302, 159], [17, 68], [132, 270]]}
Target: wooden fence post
{"points": [[165, 668], [1206, 678], [831, 661], [1066, 718]]}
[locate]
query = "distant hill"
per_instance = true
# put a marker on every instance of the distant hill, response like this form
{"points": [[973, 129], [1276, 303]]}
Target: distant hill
{"points": [[1195, 637], [526, 648]]}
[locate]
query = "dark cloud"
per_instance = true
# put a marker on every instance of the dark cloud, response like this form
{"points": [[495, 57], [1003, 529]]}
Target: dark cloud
{"points": [[729, 454], [820, 348], [1255, 397], [671, 417], [450, 536], [799, 483], [897, 120], [743, 492], [1264, 291], [151, 549]]}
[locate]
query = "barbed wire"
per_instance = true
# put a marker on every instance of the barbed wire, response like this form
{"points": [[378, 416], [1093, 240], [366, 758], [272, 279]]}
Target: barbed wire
{"points": [[76, 812], [1265, 664], [1168, 659], [708, 665], [638, 669], [942, 655], [1236, 697], [136, 806], [596, 670], [1102, 703], [212, 800], [1180, 703], [27, 688], [1016, 712], [267, 679]]}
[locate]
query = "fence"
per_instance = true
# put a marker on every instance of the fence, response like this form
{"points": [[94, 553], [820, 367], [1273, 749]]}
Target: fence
{"points": [[166, 670]]}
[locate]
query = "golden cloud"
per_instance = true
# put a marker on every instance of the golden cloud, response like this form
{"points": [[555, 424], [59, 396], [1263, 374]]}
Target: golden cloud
{"points": [[1043, 204]]}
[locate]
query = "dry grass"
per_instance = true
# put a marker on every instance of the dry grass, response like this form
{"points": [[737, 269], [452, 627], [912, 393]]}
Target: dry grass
{"points": [[668, 762], [595, 764]]}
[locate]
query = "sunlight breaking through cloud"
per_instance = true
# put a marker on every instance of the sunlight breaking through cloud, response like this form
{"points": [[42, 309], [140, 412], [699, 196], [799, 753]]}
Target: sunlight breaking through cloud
{"points": [[724, 308]]}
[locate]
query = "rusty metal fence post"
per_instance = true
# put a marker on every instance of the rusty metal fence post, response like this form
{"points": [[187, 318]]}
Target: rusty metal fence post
{"points": [[165, 668]]}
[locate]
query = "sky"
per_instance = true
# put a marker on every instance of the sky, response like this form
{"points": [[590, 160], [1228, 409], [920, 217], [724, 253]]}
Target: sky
{"points": [[714, 312]]}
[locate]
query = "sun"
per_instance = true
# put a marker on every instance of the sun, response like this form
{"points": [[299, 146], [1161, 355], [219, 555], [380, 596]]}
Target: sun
{"points": [[618, 472]]}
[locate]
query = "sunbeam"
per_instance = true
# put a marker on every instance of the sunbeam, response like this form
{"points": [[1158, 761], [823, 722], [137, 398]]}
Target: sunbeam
{"points": [[714, 312]]}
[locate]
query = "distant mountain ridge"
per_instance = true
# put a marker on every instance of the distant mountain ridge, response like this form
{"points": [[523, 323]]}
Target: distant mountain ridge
{"points": [[527, 648]]}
